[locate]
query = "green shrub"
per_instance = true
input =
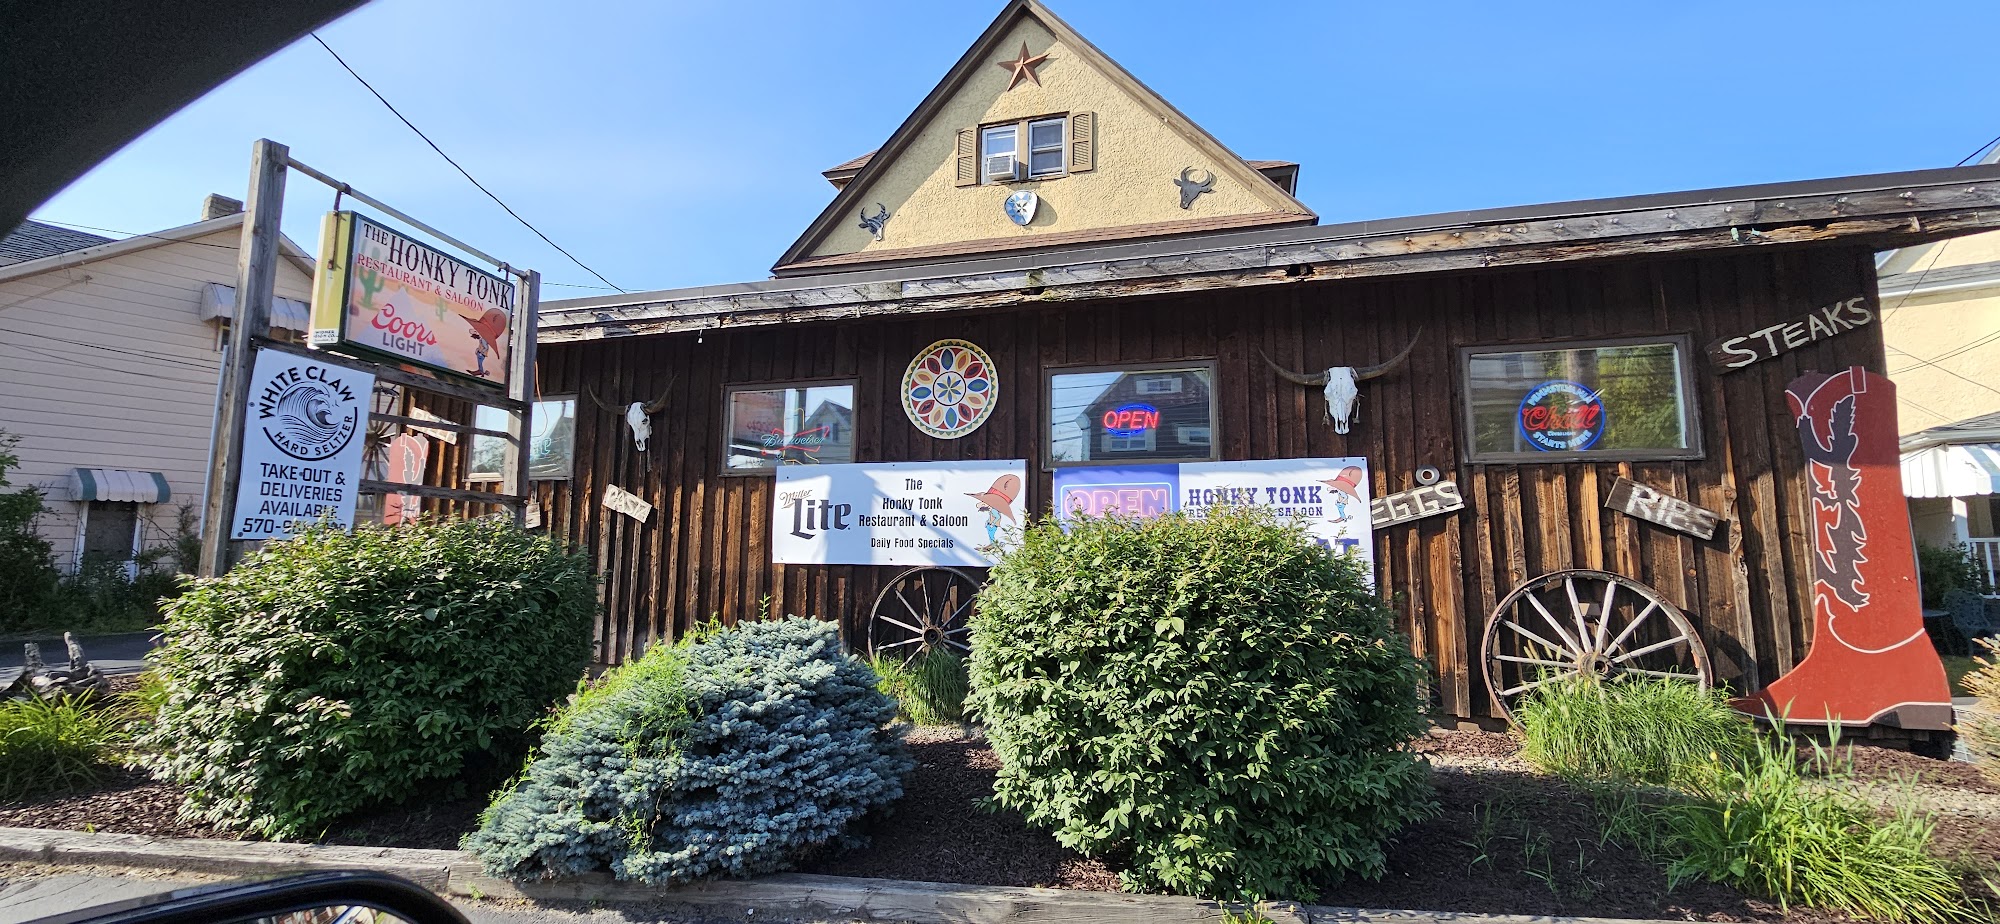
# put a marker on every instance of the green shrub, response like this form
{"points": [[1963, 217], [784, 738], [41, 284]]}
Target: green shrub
{"points": [[1221, 697], [27, 562], [728, 755], [57, 745], [930, 690], [1942, 569], [1759, 825], [333, 672], [1634, 729]]}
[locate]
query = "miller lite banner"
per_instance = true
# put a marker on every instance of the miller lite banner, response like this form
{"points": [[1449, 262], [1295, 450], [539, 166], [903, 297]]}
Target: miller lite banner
{"points": [[1328, 496], [1870, 660], [302, 446], [385, 294], [896, 513]]}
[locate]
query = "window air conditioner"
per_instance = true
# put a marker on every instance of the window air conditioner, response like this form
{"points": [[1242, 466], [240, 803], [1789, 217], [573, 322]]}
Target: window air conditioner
{"points": [[1002, 168]]}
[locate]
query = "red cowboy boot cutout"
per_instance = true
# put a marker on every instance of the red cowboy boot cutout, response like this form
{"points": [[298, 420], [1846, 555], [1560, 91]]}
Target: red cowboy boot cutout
{"points": [[1870, 660]]}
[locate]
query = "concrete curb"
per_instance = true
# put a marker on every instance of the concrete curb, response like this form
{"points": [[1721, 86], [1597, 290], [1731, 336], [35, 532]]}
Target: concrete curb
{"points": [[790, 895]]}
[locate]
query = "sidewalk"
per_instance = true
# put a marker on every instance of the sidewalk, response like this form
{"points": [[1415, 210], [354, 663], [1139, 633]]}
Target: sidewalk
{"points": [[784, 897]]}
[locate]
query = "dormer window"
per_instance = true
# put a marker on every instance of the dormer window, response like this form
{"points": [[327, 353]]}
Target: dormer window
{"points": [[1031, 149]]}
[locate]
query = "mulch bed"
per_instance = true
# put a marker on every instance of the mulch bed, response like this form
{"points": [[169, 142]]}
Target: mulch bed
{"points": [[1506, 842], [940, 833]]}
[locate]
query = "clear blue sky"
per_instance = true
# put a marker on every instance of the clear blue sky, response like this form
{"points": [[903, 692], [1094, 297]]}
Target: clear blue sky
{"points": [[680, 144]]}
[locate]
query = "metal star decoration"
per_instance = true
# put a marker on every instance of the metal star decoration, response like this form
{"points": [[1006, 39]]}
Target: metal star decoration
{"points": [[1023, 67]]}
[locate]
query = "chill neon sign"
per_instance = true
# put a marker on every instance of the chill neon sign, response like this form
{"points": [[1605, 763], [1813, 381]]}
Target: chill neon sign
{"points": [[1131, 419]]}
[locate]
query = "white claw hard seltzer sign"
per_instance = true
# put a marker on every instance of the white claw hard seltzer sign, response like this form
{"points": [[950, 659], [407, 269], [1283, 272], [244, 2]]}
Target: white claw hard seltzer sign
{"points": [[302, 446], [896, 513]]}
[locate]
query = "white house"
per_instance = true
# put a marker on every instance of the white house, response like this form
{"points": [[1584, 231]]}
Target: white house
{"points": [[110, 353]]}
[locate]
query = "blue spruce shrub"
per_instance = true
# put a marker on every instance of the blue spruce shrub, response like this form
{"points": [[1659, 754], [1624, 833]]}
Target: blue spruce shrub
{"points": [[729, 755], [1220, 699]]}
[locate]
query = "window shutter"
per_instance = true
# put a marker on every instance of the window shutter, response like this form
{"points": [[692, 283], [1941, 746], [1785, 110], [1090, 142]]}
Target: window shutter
{"points": [[968, 157], [1082, 141]]}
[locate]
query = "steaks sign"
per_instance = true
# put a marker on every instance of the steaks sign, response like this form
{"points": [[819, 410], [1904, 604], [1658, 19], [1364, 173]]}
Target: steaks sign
{"points": [[1732, 353], [1656, 506]]}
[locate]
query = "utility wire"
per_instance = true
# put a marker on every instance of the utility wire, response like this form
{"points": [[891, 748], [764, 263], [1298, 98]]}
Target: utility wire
{"points": [[155, 357], [1982, 150], [454, 164], [173, 240]]}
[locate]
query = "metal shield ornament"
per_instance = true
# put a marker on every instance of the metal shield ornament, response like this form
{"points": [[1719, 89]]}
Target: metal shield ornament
{"points": [[1020, 207]]}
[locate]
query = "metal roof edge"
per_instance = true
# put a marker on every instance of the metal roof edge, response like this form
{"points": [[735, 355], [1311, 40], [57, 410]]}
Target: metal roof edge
{"points": [[1301, 234]]}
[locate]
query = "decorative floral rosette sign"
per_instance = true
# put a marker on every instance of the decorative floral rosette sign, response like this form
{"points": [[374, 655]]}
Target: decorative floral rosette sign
{"points": [[950, 389]]}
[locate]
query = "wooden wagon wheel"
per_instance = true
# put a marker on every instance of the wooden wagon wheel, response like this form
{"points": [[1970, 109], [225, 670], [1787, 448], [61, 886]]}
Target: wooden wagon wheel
{"points": [[921, 609], [1568, 623]]}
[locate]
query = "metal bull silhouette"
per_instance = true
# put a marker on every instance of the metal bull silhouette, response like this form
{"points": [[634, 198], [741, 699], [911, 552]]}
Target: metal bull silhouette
{"points": [[1342, 384]]}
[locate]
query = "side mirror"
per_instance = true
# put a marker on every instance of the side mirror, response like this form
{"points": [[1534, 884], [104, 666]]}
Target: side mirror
{"points": [[337, 897]]}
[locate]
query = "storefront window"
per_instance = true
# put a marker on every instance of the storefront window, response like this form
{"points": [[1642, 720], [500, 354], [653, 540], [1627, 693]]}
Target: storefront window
{"points": [[1131, 415], [551, 445], [789, 425], [1614, 400]]}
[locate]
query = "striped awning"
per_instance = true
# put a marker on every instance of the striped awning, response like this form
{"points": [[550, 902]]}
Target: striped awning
{"points": [[219, 301], [117, 484], [1952, 470]]}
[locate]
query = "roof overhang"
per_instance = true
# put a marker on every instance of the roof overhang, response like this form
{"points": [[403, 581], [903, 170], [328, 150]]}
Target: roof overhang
{"points": [[138, 242], [1952, 470], [1879, 211]]}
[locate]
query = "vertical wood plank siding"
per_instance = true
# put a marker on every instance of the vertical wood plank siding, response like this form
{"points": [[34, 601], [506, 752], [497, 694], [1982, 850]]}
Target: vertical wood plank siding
{"points": [[705, 553]]}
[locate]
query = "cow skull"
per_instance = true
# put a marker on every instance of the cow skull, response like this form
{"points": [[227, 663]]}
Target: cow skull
{"points": [[638, 414], [1343, 383]]}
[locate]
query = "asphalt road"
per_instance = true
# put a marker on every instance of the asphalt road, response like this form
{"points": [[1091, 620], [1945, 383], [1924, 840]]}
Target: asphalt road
{"points": [[124, 653]]}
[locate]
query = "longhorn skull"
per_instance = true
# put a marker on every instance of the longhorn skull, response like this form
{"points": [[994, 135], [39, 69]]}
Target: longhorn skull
{"points": [[1342, 383], [1190, 189], [638, 414]]}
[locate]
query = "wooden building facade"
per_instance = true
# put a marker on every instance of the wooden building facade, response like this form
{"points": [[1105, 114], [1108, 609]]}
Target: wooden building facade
{"points": [[852, 309], [706, 551]]}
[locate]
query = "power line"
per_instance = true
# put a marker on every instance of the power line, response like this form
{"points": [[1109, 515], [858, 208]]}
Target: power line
{"points": [[174, 240], [155, 357], [1982, 150], [454, 164], [1924, 362]]}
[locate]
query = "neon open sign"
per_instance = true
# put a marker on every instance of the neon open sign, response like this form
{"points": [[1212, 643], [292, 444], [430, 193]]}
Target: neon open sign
{"points": [[1131, 419]]}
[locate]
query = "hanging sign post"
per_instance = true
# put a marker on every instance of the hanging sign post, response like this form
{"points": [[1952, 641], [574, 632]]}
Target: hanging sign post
{"points": [[290, 424]]}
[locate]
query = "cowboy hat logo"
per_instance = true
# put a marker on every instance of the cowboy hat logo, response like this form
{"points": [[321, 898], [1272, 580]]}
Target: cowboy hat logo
{"points": [[998, 501]]}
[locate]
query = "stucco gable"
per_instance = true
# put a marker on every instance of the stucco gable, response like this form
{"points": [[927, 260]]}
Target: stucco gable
{"points": [[1139, 146]]}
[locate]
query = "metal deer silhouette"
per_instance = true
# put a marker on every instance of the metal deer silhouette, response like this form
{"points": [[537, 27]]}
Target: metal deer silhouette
{"points": [[873, 224], [1343, 383], [638, 416], [1190, 189]]}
